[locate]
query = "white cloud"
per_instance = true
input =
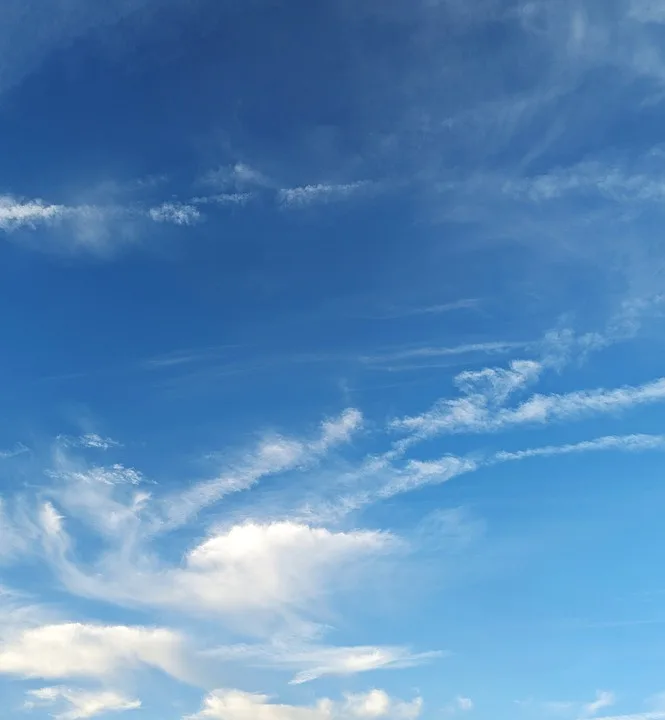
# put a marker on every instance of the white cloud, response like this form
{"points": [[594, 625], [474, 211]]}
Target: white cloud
{"points": [[252, 575], [233, 198], [106, 498], [628, 443], [19, 449], [459, 704], [419, 473], [238, 705], [116, 474], [273, 455], [320, 193], [236, 178], [440, 309], [86, 650], [604, 699], [13, 539], [474, 412], [338, 430], [93, 441], [316, 661], [464, 703], [429, 353], [16, 213], [175, 212], [80, 704], [268, 567]]}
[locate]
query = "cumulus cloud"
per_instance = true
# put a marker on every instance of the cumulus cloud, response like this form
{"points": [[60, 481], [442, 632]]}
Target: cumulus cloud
{"points": [[239, 705], [250, 570], [80, 704], [86, 650]]}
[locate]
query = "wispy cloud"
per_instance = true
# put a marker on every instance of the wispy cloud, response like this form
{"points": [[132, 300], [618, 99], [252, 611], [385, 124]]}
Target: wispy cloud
{"points": [[474, 412], [18, 449], [604, 699], [80, 704], [93, 441], [237, 179], [320, 193], [97, 228], [439, 309], [573, 708], [392, 358], [628, 443], [316, 661], [230, 199], [459, 704], [274, 454]]}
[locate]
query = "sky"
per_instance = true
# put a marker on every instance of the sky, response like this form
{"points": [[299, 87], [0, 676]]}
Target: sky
{"points": [[331, 360]]}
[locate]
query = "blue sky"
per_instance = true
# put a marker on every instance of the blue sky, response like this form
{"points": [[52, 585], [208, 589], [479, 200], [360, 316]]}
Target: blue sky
{"points": [[331, 366]]}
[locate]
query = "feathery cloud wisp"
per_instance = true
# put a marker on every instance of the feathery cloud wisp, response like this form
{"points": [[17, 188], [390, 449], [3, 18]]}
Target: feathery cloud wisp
{"points": [[320, 193], [273, 455], [316, 661], [473, 413]]}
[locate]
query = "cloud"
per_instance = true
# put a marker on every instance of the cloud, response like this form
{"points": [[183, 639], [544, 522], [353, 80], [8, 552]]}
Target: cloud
{"points": [[628, 443], [459, 704], [234, 198], [106, 498], [80, 704], [317, 661], [255, 576], [320, 193], [337, 431], [86, 650], [273, 455], [427, 353], [474, 412], [18, 449], [17, 213], [13, 539], [97, 228], [589, 178], [239, 705], [237, 177], [90, 440], [440, 309], [604, 699], [176, 213]]}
